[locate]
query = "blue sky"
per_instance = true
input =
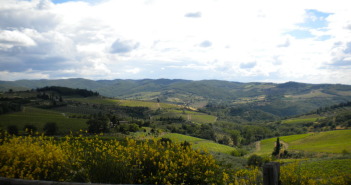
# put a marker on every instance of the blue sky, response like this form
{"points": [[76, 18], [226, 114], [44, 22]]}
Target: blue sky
{"points": [[262, 41]]}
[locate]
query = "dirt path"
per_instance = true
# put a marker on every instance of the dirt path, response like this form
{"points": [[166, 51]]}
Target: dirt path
{"points": [[258, 146], [285, 145], [189, 117]]}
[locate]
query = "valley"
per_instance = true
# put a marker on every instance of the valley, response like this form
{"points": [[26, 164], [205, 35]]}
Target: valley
{"points": [[230, 121]]}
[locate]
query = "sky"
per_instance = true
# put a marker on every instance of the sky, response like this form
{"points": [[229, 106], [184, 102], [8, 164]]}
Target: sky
{"points": [[246, 41]]}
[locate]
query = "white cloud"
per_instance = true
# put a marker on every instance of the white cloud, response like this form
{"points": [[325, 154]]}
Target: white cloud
{"points": [[247, 40], [10, 39], [133, 71], [28, 74]]}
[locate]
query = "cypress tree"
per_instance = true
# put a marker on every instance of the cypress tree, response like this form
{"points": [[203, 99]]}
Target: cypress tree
{"points": [[276, 148]]}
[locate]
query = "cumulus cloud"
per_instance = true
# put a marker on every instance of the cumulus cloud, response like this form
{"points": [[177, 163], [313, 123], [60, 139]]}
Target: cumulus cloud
{"points": [[205, 44], [193, 15], [341, 54], [248, 65], [292, 41], [28, 74], [27, 15], [9, 38], [120, 46], [286, 43]]}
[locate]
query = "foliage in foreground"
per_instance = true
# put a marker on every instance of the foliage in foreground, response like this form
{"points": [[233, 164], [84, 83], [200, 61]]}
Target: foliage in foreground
{"points": [[322, 172], [91, 159]]}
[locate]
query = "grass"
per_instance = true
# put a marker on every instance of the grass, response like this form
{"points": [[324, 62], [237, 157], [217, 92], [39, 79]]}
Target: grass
{"points": [[199, 143], [94, 100], [303, 119], [151, 105], [203, 118], [327, 167], [174, 110], [130, 103], [181, 138], [312, 94], [39, 117], [194, 116], [330, 142], [327, 142], [213, 147], [317, 171]]}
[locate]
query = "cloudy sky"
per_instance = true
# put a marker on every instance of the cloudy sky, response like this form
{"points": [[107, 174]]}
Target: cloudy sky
{"points": [[252, 40]]}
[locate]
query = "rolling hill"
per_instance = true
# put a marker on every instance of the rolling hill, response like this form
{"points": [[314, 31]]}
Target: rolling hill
{"points": [[327, 142], [286, 99]]}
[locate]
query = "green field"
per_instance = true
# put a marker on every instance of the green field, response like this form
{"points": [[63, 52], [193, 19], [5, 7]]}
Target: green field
{"points": [[331, 142], [199, 143], [172, 110], [303, 119], [192, 116], [94, 100], [151, 105], [327, 167], [130, 103], [38, 117], [328, 142]]}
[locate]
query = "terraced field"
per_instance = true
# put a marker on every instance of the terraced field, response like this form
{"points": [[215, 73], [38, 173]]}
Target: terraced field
{"points": [[303, 119], [198, 143], [317, 171], [172, 110], [38, 117], [192, 116], [328, 142]]}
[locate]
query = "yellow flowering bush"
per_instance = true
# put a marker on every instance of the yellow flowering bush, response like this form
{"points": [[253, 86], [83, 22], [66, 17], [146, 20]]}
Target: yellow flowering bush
{"points": [[248, 176], [301, 174], [33, 158], [92, 159]]}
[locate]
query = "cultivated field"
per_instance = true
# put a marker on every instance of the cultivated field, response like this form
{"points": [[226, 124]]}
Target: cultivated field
{"points": [[38, 118], [303, 119], [328, 142], [201, 144]]}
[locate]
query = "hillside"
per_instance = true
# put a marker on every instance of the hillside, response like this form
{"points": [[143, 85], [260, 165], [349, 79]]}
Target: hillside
{"points": [[326, 142], [268, 99]]}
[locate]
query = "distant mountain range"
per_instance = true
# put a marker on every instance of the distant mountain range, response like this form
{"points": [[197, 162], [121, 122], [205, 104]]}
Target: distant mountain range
{"points": [[284, 99]]}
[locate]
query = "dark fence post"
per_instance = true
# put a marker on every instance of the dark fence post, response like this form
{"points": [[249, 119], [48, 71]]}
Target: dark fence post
{"points": [[271, 173]]}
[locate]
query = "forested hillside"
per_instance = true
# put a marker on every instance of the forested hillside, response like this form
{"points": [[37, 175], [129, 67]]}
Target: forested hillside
{"points": [[268, 101], [229, 129]]}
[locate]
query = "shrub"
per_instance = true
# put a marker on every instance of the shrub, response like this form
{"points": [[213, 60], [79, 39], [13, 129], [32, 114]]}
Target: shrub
{"points": [[93, 160], [33, 158], [239, 152], [255, 160], [345, 152], [165, 140], [30, 128], [12, 130], [50, 128]]}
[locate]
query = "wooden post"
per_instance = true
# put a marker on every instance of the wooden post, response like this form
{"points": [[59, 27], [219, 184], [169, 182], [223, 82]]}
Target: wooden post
{"points": [[271, 173]]}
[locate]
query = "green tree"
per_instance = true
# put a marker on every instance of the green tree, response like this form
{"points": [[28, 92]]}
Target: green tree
{"points": [[133, 127], [225, 140], [255, 160], [50, 128], [12, 130], [277, 148], [30, 128], [98, 125], [236, 137]]}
